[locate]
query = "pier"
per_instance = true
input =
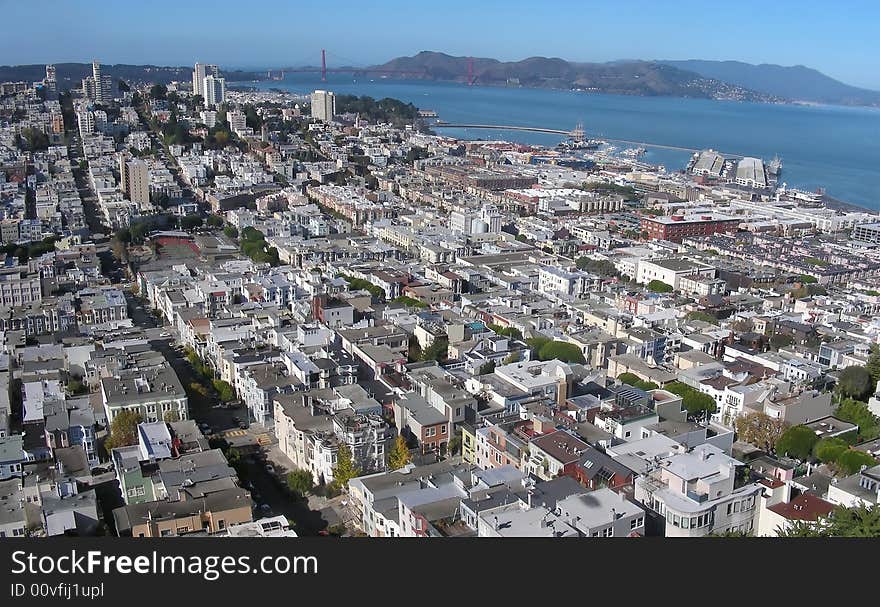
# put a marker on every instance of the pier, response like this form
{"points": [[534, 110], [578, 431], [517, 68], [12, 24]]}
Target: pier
{"points": [[577, 134]]}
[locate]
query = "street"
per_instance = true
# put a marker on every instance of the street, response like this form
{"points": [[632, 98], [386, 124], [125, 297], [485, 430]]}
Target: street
{"points": [[267, 488]]}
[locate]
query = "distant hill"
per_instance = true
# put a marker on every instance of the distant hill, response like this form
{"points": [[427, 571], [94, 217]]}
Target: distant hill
{"points": [[620, 77], [71, 74], [797, 83]]}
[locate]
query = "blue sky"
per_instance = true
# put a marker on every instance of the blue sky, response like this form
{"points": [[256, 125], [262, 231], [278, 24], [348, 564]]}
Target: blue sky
{"points": [[839, 39]]}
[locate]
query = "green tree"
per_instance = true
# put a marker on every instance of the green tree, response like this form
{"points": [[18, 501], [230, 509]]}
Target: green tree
{"points": [[438, 350], [693, 400], [852, 460], [487, 368], [798, 442], [123, 86], [158, 91], [860, 521], [190, 221], [658, 286], [300, 482], [536, 343], [231, 231], [828, 450], [759, 429], [873, 364], [561, 350], [855, 381], [398, 457], [215, 221], [172, 415], [123, 429], [225, 391], [781, 340], [345, 468], [857, 412], [76, 387]]}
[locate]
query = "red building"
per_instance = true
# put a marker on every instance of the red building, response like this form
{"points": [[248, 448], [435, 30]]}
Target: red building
{"points": [[676, 227]]}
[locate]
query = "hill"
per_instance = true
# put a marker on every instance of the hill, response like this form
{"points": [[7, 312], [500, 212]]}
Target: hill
{"points": [[797, 83], [620, 77]]}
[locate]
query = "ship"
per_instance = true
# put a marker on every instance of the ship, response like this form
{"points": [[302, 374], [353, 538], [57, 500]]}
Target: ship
{"points": [[774, 167]]}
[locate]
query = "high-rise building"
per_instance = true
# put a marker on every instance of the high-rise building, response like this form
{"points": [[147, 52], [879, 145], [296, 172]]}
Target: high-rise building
{"points": [[134, 180], [86, 122], [323, 105], [88, 87], [200, 72], [237, 120], [215, 90], [99, 82], [51, 81]]}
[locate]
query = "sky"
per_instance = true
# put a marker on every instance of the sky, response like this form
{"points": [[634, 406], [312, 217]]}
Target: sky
{"points": [[839, 39]]}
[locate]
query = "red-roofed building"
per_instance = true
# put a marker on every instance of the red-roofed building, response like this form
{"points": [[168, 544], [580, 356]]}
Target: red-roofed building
{"points": [[777, 512]]}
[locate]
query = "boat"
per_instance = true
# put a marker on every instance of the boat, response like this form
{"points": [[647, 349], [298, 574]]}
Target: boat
{"points": [[774, 167]]}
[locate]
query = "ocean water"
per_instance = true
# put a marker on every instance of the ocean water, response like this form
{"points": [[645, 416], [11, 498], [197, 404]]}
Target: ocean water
{"points": [[831, 147]]}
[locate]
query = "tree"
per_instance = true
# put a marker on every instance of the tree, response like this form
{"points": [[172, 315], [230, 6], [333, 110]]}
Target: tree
{"points": [[215, 221], [225, 391], [781, 340], [634, 380], [693, 400], [536, 343], [158, 91], [855, 381], [759, 429], [438, 350], [828, 450], [123, 86], [75, 387], [852, 460], [859, 521], [345, 468], [857, 412], [300, 482], [191, 221], [798, 442], [873, 364], [398, 457], [487, 368], [123, 429], [231, 231], [172, 415], [561, 350], [658, 286]]}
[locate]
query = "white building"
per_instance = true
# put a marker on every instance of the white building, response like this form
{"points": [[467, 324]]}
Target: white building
{"points": [[695, 491], [200, 72], [215, 91], [323, 105]]}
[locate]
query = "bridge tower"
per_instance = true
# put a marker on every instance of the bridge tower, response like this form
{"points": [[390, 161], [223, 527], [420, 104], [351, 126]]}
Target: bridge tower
{"points": [[578, 133], [323, 65], [470, 75]]}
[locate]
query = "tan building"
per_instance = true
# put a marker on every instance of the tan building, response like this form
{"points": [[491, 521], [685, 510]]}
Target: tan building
{"points": [[211, 513], [134, 180]]}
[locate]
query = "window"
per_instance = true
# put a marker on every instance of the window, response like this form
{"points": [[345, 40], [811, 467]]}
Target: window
{"points": [[443, 430], [636, 523]]}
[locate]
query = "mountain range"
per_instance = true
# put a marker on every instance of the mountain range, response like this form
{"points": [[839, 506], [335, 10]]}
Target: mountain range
{"points": [[694, 78], [690, 78]]}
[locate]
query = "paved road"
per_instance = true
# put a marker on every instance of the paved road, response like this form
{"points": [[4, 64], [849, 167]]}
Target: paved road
{"points": [[268, 488]]}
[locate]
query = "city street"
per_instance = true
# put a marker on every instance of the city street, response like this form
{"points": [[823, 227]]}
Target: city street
{"points": [[268, 488]]}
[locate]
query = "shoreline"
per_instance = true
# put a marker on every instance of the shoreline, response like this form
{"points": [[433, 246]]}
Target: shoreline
{"points": [[829, 201]]}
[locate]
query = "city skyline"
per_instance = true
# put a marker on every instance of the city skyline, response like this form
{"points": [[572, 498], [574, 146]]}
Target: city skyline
{"points": [[840, 45]]}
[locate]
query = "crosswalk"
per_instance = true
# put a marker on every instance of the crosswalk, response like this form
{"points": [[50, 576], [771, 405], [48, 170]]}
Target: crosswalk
{"points": [[234, 433]]}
